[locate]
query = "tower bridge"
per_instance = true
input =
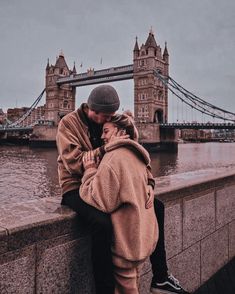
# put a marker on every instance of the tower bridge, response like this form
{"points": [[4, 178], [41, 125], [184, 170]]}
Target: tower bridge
{"points": [[150, 72]]}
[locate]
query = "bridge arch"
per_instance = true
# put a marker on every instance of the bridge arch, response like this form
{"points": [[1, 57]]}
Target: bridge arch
{"points": [[158, 116]]}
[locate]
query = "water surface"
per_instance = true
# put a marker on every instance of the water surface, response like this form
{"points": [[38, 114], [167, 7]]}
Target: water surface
{"points": [[27, 173]]}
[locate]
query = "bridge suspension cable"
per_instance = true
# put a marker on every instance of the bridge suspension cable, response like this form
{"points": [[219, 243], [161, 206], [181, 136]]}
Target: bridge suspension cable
{"points": [[26, 114], [194, 101]]}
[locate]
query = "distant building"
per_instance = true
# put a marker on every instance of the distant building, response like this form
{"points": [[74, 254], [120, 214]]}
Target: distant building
{"points": [[13, 114], [225, 134], [195, 135], [2, 117], [36, 115]]}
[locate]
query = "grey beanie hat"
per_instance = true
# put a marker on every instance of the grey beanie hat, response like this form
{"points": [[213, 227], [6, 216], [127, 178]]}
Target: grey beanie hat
{"points": [[103, 98]]}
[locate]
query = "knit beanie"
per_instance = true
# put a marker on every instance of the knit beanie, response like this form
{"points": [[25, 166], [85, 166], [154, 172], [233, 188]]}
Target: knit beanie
{"points": [[103, 98]]}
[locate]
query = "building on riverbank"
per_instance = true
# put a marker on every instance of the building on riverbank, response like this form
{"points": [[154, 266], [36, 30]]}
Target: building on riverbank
{"points": [[2, 117], [195, 135]]}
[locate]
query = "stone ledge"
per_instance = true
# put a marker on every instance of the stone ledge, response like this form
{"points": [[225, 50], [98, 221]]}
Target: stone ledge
{"points": [[170, 188], [35, 221]]}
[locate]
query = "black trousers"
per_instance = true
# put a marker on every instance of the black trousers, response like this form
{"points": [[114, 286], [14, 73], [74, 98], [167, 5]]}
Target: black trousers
{"points": [[100, 226]]}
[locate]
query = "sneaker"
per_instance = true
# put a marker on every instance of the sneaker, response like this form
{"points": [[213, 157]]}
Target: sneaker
{"points": [[170, 286]]}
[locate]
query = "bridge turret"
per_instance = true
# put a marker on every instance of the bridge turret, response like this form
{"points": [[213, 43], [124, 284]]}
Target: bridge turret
{"points": [[136, 50], [48, 65], [151, 45], [60, 100], [166, 54], [74, 71], [150, 95]]}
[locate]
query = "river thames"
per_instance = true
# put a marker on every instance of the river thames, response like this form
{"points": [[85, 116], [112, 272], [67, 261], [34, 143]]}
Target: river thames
{"points": [[28, 174]]}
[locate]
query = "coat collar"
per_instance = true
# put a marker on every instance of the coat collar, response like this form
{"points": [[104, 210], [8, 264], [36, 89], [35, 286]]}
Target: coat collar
{"points": [[130, 144]]}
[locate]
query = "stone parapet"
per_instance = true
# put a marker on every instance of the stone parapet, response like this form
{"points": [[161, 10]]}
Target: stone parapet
{"points": [[199, 223], [45, 249]]}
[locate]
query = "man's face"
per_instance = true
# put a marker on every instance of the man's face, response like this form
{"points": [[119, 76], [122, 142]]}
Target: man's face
{"points": [[99, 117]]}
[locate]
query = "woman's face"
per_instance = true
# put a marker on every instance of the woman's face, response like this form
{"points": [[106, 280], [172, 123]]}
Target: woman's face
{"points": [[109, 129]]}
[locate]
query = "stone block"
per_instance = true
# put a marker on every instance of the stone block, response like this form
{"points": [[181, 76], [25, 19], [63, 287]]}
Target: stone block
{"points": [[231, 237], [214, 253], [225, 206], [64, 266], [146, 267], [173, 230], [198, 218], [145, 277], [186, 267], [46, 228], [17, 271], [3, 240], [145, 282]]}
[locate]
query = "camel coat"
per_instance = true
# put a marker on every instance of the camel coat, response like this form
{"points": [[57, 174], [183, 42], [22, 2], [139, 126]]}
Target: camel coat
{"points": [[120, 186], [73, 139]]}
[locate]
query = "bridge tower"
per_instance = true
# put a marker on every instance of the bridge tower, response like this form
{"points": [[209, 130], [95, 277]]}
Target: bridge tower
{"points": [[150, 95], [60, 100]]}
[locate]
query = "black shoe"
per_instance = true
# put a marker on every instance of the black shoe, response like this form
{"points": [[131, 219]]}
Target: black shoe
{"points": [[169, 286]]}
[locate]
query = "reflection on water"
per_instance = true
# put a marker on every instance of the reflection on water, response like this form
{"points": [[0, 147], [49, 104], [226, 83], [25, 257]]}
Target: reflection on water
{"points": [[27, 173], [194, 156], [163, 163], [32, 173]]}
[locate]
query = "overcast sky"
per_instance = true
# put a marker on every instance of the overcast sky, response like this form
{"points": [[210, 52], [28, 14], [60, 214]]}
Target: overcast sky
{"points": [[200, 37]]}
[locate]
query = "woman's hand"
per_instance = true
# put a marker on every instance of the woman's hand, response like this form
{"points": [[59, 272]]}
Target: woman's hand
{"points": [[89, 160]]}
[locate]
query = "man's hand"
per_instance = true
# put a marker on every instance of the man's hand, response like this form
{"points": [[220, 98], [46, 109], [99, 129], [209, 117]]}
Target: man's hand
{"points": [[150, 199], [119, 135]]}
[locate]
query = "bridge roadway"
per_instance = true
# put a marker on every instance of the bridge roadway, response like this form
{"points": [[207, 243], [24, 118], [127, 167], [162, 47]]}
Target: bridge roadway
{"points": [[91, 77], [197, 126], [14, 129], [162, 126]]}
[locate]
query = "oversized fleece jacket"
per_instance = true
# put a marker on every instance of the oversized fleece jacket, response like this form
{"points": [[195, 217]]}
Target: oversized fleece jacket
{"points": [[73, 139], [120, 186]]}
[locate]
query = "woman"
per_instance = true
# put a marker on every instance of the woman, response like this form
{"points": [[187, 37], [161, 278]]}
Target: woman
{"points": [[119, 185]]}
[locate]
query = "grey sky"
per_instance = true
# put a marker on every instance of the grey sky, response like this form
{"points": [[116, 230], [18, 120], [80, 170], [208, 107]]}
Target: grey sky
{"points": [[200, 37]]}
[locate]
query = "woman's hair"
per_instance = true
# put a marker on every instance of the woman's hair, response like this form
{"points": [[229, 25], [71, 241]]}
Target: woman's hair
{"points": [[125, 122]]}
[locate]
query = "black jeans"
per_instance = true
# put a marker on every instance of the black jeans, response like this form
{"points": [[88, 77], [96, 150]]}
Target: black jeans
{"points": [[100, 226]]}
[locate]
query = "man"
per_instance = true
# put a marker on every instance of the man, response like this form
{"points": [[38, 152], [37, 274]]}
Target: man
{"points": [[79, 132]]}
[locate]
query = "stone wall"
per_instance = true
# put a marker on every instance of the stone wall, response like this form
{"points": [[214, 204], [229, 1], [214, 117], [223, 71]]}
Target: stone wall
{"points": [[44, 248], [199, 223]]}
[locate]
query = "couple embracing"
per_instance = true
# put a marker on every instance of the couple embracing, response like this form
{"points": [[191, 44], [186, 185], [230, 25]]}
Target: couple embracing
{"points": [[105, 176]]}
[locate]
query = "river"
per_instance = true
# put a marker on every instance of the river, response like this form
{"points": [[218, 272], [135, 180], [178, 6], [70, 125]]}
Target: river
{"points": [[28, 173]]}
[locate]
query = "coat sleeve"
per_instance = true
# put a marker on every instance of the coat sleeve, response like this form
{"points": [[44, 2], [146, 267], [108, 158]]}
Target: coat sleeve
{"points": [[100, 188], [70, 149]]}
